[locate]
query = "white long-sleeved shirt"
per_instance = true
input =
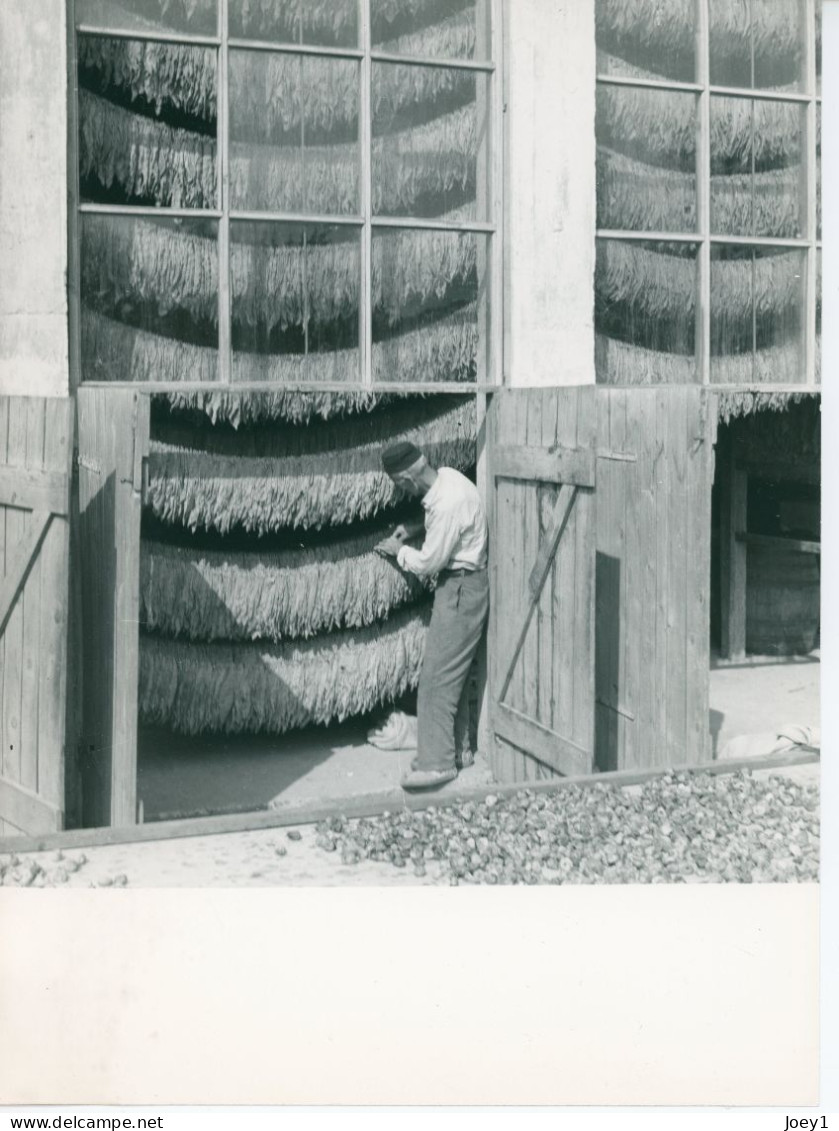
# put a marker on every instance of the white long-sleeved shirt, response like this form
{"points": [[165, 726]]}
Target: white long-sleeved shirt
{"points": [[455, 528]]}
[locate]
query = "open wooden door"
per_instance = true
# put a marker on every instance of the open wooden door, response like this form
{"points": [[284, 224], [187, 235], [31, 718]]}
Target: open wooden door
{"points": [[36, 450], [113, 445], [541, 471]]}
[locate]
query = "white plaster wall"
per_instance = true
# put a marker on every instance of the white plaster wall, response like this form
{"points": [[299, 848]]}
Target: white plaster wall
{"points": [[550, 196], [33, 198]]}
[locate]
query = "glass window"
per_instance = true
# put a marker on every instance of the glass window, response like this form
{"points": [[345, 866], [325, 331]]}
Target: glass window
{"points": [[430, 151], [655, 41], [294, 133], [196, 17], [316, 23], [757, 44], [646, 160], [741, 174], [300, 226], [458, 29], [295, 292], [645, 312], [758, 171], [149, 298], [757, 314], [430, 305]]}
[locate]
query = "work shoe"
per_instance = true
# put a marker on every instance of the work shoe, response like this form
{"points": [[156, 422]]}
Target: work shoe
{"points": [[462, 760], [427, 779]]}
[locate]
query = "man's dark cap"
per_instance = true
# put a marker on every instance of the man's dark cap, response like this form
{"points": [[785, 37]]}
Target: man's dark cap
{"points": [[399, 457]]}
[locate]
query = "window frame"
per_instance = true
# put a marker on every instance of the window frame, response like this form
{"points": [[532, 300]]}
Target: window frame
{"points": [[702, 238], [492, 348]]}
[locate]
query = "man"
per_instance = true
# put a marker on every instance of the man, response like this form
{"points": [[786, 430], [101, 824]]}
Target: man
{"points": [[455, 551]]}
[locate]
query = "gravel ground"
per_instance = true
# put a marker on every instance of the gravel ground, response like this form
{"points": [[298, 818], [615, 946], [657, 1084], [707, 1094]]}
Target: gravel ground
{"points": [[681, 828]]}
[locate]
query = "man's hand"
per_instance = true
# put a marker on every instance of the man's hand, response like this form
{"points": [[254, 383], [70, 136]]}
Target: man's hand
{"points": [[407, 531], [389, 547]]}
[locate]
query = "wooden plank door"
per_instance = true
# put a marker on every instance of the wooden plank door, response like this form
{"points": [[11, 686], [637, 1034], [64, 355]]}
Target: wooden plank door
{"points": [[113, 446], [655, 470], [541, 467], [36, 451]]}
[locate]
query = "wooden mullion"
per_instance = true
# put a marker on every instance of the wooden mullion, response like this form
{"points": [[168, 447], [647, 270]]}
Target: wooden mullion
{"points": [[760, 95], [702, 343], [294, 48], [426, 61], [223, 127], [810, 181], [296, 218], [152, 387], [365, 306], [153, 36], [417, 222], [649, 84], [150, 210]]}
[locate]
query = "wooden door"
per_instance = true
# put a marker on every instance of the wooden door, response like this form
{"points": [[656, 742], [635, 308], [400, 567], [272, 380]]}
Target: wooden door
{"points": [[654, 476], [541, 468], [113, 446], [36, 451]]}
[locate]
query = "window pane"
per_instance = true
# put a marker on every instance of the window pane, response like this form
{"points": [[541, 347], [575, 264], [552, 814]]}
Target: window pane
{"points": [[647, 40], [818, 170], [818, 47], [645, 312], [758, 173], [321, 23], [294, 133], [757, 43], [295, 291], [198, 17], [435, 29], [430, 142], [757, 314], [149, 299], [147, 123], [646, 160], [430, 306]]}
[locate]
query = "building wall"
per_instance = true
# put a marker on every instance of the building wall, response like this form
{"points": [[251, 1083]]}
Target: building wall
{"points": [[33, 198], [550, 198]]}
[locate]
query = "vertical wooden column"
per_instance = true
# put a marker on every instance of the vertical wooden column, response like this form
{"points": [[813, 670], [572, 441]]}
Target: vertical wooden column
{"points": [[733, 516]]}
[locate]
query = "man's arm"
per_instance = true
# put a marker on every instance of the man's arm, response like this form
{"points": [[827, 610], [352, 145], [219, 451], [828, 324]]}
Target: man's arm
{"points": [[435, 554]]}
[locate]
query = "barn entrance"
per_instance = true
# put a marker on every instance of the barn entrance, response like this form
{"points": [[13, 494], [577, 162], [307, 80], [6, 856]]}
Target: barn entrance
{"points": [[765, 565]]}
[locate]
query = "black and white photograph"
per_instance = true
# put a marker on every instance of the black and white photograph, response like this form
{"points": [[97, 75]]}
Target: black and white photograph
{"points": [[410, 444]]}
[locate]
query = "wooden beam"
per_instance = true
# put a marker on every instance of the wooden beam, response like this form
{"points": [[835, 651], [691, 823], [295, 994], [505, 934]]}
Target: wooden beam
{"points": [[21, 563], [780, 543], [35, 489], [26, 810], [545, 745], [372, 805], [733, 513], [544, 465]]}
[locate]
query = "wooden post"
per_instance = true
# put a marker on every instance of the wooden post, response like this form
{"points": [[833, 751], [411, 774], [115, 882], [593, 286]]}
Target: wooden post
{"points": [[733, 515]]}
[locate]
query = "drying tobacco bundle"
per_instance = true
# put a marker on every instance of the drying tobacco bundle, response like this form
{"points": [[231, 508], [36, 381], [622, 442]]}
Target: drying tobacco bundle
{"points": [[145, 157], [663, 29], [663, 286], [229, 595], [441, 350], [680, 828], [199, 489], [242, 408], [620, 363], [235, 688], [662, 131], [167, 268], [635, 196]]}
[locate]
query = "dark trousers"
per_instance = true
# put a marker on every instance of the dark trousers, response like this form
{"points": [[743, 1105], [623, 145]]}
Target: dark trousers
{"points": [[461, 605]]}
